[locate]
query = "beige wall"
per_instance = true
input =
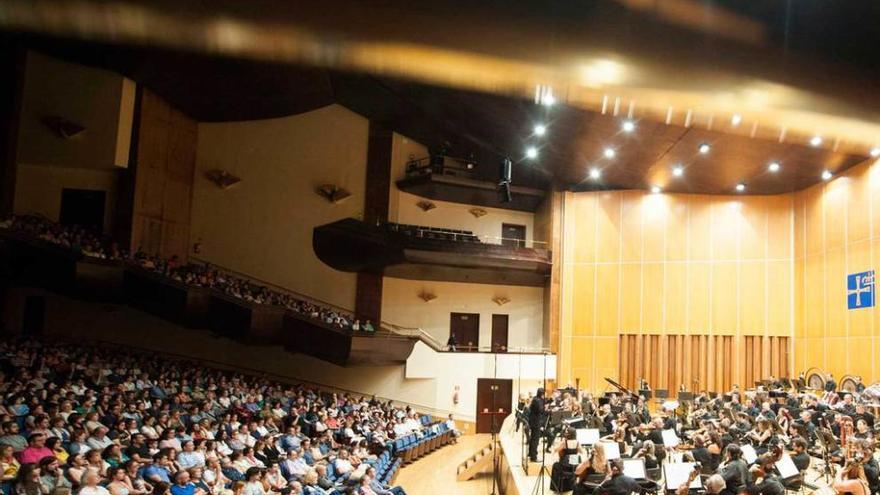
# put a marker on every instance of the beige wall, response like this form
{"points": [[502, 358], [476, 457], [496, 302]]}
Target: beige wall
{"points": [[837, 232], [38, 189], [675, 264], [263, 225], [402, 306], [403, 206], [100, 100]]}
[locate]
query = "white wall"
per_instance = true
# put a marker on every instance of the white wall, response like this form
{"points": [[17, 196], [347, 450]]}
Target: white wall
{"points": [[263, 225], [402, 306]]}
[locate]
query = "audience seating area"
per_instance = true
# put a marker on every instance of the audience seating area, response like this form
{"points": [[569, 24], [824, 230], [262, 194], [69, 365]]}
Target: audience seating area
{"points": [[84, 417], [435, 233], [88, 243]]}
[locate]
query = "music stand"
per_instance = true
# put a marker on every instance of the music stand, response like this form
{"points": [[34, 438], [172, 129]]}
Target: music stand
{"points": [[635, 469], [588, 436], [685, 396], [677, 473], [661, 393]]}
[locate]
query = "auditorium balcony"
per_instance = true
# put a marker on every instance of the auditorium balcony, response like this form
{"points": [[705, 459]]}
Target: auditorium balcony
{"points": [[430, 253]]}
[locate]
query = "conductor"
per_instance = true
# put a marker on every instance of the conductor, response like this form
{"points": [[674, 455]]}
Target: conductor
{"points": [[536, 422]]}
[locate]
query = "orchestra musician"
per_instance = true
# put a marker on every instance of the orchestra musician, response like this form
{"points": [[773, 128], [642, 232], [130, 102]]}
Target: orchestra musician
{"points": [[617, 483], [734, 470], [569, 453], [762, 481], [596, 463], [851, 480], [830, 384], [800, 458]]}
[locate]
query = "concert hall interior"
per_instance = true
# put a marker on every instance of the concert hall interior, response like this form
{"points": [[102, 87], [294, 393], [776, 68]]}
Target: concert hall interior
{"points": [[410, 247]]}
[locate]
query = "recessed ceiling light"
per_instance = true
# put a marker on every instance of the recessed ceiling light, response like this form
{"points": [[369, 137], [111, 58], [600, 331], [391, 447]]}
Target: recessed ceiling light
{"points": [[678, 170], [773, 167], [826, 175], [531, 152], [875, 152], [540, 130], [548, 100], [628, 126], [655, 189], [740, 187], [815, 140], [736, 119], [704, 148], [595, 173], [609, 152]]}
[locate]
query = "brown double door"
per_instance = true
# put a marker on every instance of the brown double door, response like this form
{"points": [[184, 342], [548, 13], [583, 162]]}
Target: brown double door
{"points": [[499, 332], [493, 403], [466, 329]]}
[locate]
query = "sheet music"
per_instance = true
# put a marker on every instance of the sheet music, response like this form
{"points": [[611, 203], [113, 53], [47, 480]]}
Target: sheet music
{"points": [[677, 473], [635, 468], [612, 450], [786, 467], [587, 436], [749, 454], [670, 439]]}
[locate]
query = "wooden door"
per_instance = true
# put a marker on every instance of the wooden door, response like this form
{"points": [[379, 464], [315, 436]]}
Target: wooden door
{"points": [[466, 328], [495, 396], [499, 332], [513, 235]]}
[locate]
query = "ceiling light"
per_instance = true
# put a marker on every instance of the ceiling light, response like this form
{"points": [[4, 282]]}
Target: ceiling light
{"points": [[826, 175], [704, 148], [540, 130], [815, 140], [531, 152], [609, 152], [875, 152], [740, 187], [655, 189], [548, 100], [736, 119], [595, 173], [628, 126], [773, 167], [678, 170]]}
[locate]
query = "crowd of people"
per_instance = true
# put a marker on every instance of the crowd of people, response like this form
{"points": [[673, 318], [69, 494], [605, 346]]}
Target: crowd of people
{"points": [[89, 243], [93, 421]]}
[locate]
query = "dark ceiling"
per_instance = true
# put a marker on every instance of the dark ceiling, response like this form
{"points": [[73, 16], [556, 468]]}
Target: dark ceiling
{"points": [[489, 126]]}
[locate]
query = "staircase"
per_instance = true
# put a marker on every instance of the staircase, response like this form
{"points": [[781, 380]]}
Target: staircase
{"points": [[479, 462]]}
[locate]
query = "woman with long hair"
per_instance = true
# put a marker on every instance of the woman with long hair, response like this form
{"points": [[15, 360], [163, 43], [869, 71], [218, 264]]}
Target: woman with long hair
{"points": [[851, 479], [28, 480]]}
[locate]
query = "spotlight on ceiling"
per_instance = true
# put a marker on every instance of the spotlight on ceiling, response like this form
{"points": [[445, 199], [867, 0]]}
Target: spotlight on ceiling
{"points": [[773, 167], [655, 189], [628, 126], [540, 130], [609, 152], [531, 152], [678, 170], [815, 140], [736, 119], [595, 173], [704, 148], [826, 175], [875, 152], [740, 187], [548, 100]]}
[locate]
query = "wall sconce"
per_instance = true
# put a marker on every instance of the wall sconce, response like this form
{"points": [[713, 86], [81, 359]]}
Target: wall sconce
{"points": [[427, 296], [477, 212], [426, 205], [332, 193], [222, 178], [501, 300], [66, 129]]}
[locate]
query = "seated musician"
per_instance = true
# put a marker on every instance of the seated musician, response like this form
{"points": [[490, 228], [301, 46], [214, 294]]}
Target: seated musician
{"points": [[715, 484], [862, 430], [783, 417], [806, 420], [851, 480], [700, 453], [767, 410], [830, 384], [846, 406], [863, 413], [762, 481], [800, 458], [870, 465], [617, 483], [569, 453], [734, 470], [648, 452], [596, 463], [761, 436]]}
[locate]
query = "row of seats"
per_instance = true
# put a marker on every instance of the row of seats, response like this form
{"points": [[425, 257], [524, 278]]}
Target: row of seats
{"points": [[412, 447], [386, 466], [434, 232]]}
